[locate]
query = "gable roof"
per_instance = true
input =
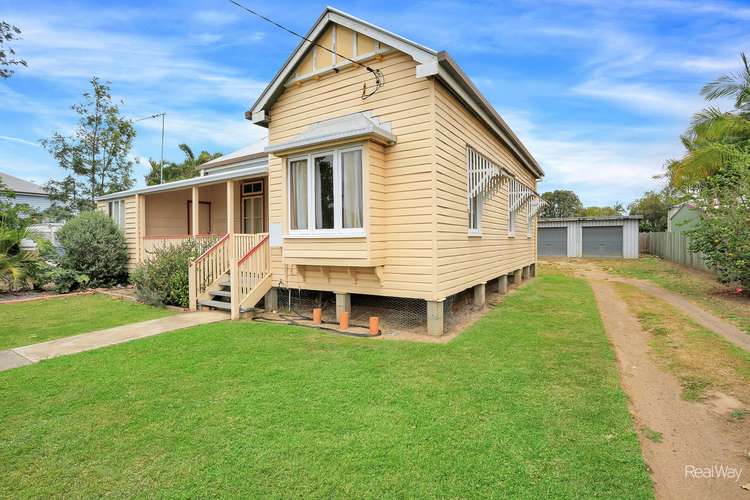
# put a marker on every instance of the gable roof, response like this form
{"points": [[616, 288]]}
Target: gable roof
{"points": [[430, 63], [20, 185]]}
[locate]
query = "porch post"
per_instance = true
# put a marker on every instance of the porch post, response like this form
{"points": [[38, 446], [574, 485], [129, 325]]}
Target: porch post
{"points": [[195, 211], [230, 207]]}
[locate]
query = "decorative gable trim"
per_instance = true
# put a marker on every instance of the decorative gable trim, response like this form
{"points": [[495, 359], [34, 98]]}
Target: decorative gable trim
{"points": [[258, 112]]}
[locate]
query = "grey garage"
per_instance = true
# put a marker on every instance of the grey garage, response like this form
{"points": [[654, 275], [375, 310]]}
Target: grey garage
{"points": [[589, 237]]}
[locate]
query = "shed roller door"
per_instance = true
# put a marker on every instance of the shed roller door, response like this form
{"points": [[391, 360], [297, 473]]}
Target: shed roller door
{"points": [[552, 241], [602, 241]]}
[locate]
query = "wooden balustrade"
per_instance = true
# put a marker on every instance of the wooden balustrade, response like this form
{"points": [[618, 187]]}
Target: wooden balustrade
{"points": [[209, 267], [251, 274], [247, 257]]}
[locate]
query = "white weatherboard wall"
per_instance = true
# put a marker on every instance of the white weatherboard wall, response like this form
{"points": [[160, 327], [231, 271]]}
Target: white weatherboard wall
{"points": [[575, 232]]}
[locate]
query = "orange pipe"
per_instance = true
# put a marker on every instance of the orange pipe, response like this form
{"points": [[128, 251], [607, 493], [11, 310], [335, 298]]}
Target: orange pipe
{"points": [[317, 315], [374, 325], [344, 320]]}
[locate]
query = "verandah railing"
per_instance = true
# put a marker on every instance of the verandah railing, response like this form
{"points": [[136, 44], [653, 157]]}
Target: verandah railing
{"points": [[219, 259], [209, 267], [249, 272]]}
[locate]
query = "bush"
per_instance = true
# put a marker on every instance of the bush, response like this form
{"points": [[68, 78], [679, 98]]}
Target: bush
{"points": [[95, 246], [65, 280], [163, 278], [18, 267]]}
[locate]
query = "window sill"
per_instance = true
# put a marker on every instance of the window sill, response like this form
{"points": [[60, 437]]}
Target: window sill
{"points": [[475, 233], [511, 235], [326, 234]]}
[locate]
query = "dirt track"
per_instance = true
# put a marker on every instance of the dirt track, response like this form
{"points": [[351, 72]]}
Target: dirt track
{"points": [[694, 434]]}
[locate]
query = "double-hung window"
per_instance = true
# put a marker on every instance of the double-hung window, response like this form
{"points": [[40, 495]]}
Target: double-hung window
{"points": [[117, 212], [326, 193], [511, 218]]}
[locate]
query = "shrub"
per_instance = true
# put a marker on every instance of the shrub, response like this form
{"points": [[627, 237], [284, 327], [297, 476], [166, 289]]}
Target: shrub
{"points": [[17, 266], [65, 280], [163, 278], [95, 246]]}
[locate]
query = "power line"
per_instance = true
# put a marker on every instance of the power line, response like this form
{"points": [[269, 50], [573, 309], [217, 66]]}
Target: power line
{"points": [[379, 79]]}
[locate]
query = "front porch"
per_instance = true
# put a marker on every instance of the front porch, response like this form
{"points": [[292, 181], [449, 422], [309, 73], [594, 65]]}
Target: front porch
{"points": [[208, 212]]}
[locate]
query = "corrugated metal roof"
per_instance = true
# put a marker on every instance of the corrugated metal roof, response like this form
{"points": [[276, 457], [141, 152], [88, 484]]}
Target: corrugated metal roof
{"points": [[194, 181], [590, 219], [20, 185], [340, 128], [249, 152]]}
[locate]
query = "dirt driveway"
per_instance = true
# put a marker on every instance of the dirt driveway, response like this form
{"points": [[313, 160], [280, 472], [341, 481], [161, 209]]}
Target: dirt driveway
{"points": [[698, 453]]}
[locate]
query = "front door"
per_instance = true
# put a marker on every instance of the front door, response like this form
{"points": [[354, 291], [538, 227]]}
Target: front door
{"points": [[252, 207]]}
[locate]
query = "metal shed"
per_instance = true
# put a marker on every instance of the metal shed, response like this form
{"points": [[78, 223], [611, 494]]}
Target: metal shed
{"points": [[589, 237]]}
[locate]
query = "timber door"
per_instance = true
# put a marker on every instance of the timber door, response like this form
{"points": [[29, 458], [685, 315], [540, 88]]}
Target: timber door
{"points": [[253, 216]]}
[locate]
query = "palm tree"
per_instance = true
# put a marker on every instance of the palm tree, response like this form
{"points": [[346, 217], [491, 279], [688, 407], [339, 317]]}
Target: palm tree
{"points": [[735, 85], [715, 137], [16, 265], [176, 171]]}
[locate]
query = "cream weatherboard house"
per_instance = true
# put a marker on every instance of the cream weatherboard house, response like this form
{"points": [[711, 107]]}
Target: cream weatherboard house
{"points": [[419, 190]]}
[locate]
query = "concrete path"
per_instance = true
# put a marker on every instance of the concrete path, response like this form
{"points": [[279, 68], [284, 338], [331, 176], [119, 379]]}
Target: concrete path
{"points": [[21, 356]]}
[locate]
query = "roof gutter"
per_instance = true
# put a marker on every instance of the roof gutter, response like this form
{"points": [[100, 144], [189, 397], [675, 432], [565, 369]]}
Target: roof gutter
{"points": [[186, 183], [453, 76]]}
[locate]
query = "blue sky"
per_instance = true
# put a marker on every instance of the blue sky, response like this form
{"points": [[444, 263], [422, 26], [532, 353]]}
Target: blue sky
{"points": [[598, 91]]}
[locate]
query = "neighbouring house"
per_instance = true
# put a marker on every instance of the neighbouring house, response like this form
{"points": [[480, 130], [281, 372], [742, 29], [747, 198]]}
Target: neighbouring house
{"points": [[589, 237], [26, 192], [420, 191], [683, 217]]}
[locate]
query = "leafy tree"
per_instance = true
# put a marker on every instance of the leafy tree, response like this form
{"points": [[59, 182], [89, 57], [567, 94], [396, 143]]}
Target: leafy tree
{"points": [[8, 33], [175, 171], [15, 215], [561, 203], [723, 233], [66, 198], [613, 211], [653, 207], [97, 154]]}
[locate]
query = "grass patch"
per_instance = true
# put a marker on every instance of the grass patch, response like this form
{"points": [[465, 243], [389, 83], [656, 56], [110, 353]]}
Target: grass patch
{"points": [[701, 360], [652, 435], [526, 404], [738, 414], [700, 287], [25, 323]]}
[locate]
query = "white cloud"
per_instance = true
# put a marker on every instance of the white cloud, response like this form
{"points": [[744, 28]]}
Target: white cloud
{"points": [[18, 140], [642, 97]]}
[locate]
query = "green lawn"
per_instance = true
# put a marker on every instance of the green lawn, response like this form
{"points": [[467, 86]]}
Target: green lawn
{"points": [[526, 403], [31, 322], [699, 287]]}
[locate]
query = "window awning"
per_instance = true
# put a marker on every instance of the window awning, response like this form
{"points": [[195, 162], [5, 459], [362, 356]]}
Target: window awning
{"points": [[354, 126]]}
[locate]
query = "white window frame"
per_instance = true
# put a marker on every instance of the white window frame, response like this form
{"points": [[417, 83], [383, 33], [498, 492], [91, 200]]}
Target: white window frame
{"points": [[338, 231], [116, 210], [476, 231], [511, 219]]}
